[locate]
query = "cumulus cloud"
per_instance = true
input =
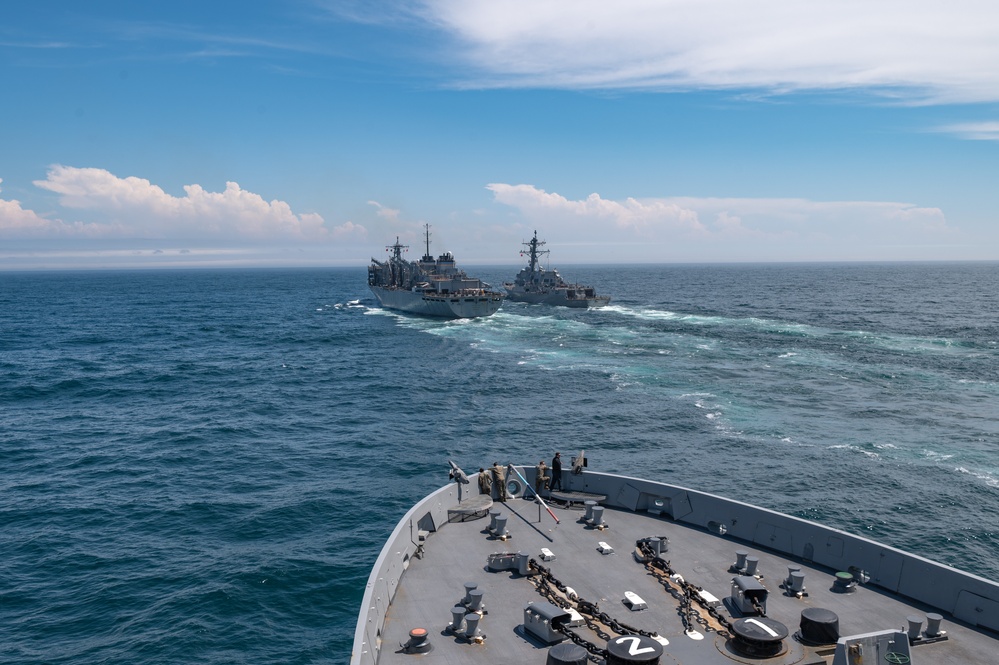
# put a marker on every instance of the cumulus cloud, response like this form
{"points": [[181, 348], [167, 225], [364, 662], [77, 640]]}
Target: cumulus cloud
{"points": [[787, 228], [349, 231], [390, 214], [135, 207], [919, 49], [628, 214], [19, 222], [14, 218]]}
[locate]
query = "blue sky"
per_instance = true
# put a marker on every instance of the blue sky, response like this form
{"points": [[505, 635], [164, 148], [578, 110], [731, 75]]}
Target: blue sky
{"points": [[315, 132]]}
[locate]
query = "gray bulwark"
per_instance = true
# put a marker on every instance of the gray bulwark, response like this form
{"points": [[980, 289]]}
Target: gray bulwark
{"points": [[405, 592]]}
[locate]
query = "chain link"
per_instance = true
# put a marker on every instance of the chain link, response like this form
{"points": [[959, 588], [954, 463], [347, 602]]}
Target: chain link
{"points": [[685, 593], [595, 619]]}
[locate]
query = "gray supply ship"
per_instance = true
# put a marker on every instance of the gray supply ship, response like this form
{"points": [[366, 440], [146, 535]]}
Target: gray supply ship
{"points": [[544, 286], [430, 287], [619, 570]]}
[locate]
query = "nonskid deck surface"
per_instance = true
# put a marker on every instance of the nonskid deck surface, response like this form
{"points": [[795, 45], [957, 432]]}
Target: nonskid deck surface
{"points": [[457, 554]]}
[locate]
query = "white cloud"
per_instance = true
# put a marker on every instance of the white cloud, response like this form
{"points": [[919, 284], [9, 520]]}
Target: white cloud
{"points": [[919, 49], [133, 207], [737, 228], [777, 216], [628, 214], [19, 222], [15, 219], [975, 131], [390, 214], [349, 231]]}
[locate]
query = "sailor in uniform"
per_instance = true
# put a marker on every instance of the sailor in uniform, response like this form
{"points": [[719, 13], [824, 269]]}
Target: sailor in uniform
{"points": [[541, 477], [485, 482], [499, 480]]}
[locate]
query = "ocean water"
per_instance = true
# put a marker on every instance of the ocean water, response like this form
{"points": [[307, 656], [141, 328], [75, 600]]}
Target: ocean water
{"points": [[201, 466]]}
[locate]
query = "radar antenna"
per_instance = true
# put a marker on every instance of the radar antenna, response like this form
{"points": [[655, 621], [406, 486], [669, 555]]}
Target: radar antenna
{"points": [[396, 249], [426, 231], [532, 251]]}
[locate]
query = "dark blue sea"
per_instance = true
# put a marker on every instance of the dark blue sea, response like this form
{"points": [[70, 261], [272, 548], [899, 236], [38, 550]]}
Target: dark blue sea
{"points": [[202, 466]]}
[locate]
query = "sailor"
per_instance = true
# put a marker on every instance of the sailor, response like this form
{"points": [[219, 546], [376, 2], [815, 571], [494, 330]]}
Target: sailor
{"points": [[541, 477], [557, 472], [499, 480], [485, 482]]}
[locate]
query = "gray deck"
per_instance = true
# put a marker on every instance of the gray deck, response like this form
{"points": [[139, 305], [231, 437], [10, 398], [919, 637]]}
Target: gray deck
{"points": [[457, 553]]}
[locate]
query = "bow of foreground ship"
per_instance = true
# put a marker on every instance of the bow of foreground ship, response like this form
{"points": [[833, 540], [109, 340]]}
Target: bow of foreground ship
{"points": [[430, 287], [616, 570], [545, 286]]}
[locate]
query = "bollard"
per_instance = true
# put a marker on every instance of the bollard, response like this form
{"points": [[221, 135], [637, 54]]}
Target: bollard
{"points": [[597, 519], [740, 560], [933, 624], [457, 618], [469, 588]]}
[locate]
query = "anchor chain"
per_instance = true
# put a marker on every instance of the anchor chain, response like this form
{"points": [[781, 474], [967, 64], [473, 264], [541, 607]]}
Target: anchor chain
{"points": [[592, 616], [685, 593]]}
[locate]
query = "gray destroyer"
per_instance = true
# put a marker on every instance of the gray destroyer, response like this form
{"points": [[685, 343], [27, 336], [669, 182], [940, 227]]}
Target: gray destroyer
{"points": [[430, 287], [541, 286]]}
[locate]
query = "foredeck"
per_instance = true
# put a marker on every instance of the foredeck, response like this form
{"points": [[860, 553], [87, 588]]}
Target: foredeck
{"points": [[457, 554]]}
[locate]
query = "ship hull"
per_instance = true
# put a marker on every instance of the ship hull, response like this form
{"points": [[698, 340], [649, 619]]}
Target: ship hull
{"points": [[557, 298], [438, 305]]}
